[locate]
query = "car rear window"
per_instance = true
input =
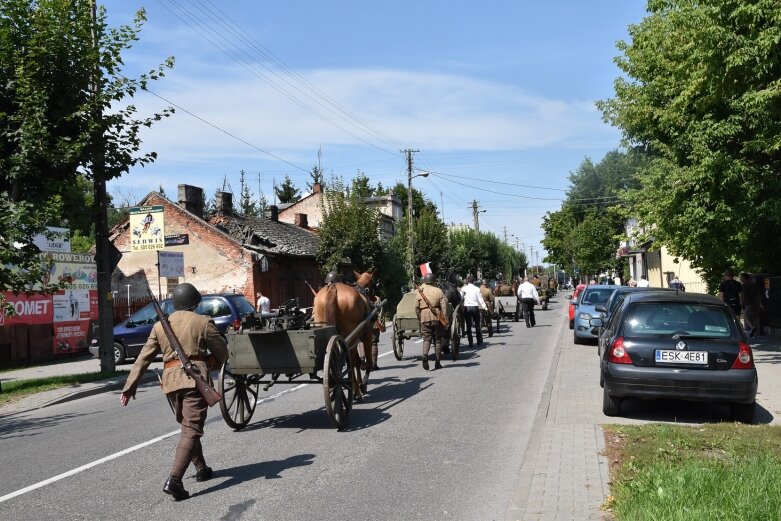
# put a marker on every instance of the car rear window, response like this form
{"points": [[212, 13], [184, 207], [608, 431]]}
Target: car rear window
{"points": [[668, 318], [594, 296], [242, 305], [213, 307]]}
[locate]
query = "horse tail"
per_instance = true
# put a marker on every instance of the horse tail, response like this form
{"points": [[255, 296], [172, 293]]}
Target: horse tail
{"points": [[330, 304]]}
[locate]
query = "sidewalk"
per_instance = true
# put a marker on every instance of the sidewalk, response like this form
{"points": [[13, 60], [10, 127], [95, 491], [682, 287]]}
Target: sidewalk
{"points": [[64, 394], [565, 475]]}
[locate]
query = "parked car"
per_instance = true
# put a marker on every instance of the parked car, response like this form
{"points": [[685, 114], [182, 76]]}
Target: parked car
{"points": [[682, 346], [130, 335], [573, 302], [614, 302], [594, 295]]}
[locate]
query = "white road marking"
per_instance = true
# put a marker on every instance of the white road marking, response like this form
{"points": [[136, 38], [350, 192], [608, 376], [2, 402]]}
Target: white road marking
{"points": [[126, 451]]}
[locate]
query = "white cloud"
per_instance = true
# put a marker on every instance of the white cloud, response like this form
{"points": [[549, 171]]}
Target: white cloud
{"points": [[429, 111]]}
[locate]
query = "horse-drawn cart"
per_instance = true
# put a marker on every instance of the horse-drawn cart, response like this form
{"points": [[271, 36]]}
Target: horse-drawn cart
{"points": [[507, 306], [288, 349], [406, 326]]}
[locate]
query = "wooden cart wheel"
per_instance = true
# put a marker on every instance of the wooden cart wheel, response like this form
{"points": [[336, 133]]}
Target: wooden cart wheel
{"points": [[239, 396], [337, 382], [398, 343]]}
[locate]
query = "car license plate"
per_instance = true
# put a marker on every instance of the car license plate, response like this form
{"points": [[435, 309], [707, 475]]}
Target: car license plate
{"points": [[669, 356]]}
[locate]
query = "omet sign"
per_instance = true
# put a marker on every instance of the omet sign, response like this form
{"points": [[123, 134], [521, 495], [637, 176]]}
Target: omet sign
{"points": [[33, 309]]}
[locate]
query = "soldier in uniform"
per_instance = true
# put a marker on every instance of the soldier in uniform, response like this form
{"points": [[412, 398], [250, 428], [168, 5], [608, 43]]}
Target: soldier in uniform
{"points": [[430, 326], [488, 297], [199, 337]]}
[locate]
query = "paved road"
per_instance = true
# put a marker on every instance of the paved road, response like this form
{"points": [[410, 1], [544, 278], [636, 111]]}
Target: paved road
{"points": [[447, 444]]}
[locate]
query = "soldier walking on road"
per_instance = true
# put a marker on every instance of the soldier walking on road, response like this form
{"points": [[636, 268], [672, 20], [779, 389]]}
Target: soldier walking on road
{"points": [[488, 298], [428, 315], [199, 337]]}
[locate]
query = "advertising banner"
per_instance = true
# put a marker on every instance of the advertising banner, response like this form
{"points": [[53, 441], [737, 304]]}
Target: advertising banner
{"points": [[30, 310], [57, 242], [77, 268], [147, 231], [171, 264], [73, 310]]}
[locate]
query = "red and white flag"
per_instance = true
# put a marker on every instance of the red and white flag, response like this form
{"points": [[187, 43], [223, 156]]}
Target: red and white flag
{"points": [[425, 268]]}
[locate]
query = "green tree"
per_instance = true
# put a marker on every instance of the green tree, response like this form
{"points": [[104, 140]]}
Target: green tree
{"points": [[349, 231], [247, 206], [287, 192], [701, 92], [361, 186], [62, 96], [316, 176]]}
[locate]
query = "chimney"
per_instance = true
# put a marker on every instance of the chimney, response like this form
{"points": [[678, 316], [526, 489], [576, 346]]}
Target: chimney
{"points": [[301, 220], [317, 188], [191, 199], [224, 202], [273, 212]]}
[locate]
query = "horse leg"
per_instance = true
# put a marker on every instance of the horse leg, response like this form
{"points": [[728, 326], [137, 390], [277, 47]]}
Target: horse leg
{"points": [[356, 375], [371, 356]]}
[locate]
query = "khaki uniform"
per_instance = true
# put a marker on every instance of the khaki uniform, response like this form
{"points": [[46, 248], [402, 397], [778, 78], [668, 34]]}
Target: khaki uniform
{"points": [[198, 336], [488, 297], [430, 327]]}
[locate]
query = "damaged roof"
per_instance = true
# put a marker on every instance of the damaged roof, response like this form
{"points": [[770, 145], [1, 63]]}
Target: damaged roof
{"points": [[268, 236]]}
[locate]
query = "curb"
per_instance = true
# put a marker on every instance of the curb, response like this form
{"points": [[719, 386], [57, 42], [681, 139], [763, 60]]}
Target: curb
{"points": [[82, 391]]}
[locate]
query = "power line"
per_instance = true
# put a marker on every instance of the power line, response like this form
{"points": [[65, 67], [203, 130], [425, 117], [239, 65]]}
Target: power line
{"points": [[501, 182], [234, 136]]}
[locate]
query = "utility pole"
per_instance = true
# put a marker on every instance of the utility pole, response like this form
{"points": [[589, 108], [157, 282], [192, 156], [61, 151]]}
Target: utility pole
{"points": [[505, 234], [410, 230], [475, 213], [102, 247]]}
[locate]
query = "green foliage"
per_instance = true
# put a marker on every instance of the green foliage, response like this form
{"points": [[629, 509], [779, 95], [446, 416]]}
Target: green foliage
{"points": [[21, 267], [713, 471], [63, 121], [419, 201], [361, 186], [247, 206], [585, 233], [469, 250], [348, 232], [701, 92], [287, 192], [316, 176]]}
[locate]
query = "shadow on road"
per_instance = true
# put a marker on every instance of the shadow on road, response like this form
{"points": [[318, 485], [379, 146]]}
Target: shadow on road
{"points": [[11, 427], [266, 469]]}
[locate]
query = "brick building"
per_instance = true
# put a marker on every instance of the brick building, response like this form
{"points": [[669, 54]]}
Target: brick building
{"points": [[222, 252], [308, 211]]}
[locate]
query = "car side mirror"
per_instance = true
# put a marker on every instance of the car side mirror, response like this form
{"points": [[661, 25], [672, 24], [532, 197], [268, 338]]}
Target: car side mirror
{"points": [[600, 308], [569, 297], [596, 322]]}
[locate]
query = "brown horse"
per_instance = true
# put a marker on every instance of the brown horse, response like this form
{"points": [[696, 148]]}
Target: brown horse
{"points": [[346, 307]]}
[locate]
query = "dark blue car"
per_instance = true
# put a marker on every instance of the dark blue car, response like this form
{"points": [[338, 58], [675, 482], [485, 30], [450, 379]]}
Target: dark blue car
{"points": [[131, 335]]}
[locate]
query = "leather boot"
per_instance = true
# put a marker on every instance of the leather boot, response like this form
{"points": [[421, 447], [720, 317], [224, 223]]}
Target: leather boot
{"points": [[438, 355], [375, 351], [205, 474], [174, 488], [425, 362]]}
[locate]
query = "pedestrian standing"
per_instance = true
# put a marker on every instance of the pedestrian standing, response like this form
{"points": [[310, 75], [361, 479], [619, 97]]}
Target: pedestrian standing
{"points": [[263, 304], [488, 298], [643, 282], [751, 299], [676, 283], [632, 283], [199, 338], [431, 304], [473, 303], [527, 294], [729, 291]]}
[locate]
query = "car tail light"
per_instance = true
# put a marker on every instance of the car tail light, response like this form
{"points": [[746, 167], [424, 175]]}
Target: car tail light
{"points": [[618, 354], [745, 359], [237, 324]]}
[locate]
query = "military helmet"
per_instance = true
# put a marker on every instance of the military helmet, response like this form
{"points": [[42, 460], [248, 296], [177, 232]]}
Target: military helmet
{"points": [[485, 282], [332, 277], [429, 278], [186, 296], [499, 277]]}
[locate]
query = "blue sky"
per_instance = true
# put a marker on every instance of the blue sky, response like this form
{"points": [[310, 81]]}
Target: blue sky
{"points": [[494, 95]]}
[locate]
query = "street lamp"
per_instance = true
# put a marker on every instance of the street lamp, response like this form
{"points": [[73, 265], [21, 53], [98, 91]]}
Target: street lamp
{"points": [[410, 238]]}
